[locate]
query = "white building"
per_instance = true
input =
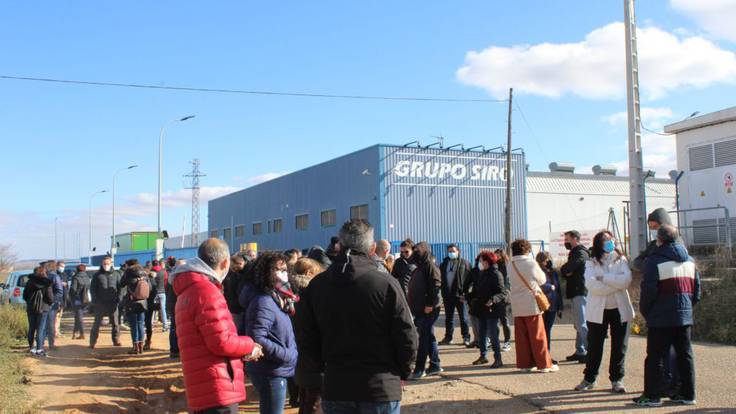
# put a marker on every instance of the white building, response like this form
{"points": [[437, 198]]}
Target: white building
{"points": [[560, 200], [706, 154]]}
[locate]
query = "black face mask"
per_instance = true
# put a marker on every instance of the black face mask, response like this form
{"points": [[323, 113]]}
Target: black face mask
{"points": [[568, 245], [549, 265]]}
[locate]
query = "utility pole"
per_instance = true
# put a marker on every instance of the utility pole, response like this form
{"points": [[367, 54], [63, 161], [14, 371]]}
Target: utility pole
{"points": [[638, 236], [194, 175], [507, 224]]}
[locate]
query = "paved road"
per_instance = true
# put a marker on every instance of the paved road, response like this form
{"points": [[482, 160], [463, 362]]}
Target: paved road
{"points": [[715, 371]]}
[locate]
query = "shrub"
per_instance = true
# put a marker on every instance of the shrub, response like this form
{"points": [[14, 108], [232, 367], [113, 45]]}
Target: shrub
{"points": [[13, 330], [715, 315]]}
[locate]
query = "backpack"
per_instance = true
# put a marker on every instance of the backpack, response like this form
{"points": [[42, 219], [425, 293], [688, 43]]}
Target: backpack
{"points": [[140, 291], [35, 304]]}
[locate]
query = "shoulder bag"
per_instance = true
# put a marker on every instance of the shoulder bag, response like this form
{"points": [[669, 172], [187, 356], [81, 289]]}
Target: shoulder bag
{"points": [[539, 296]]}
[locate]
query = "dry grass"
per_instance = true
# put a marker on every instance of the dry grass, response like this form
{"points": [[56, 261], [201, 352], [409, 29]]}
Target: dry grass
{"points": [[13, 377]]}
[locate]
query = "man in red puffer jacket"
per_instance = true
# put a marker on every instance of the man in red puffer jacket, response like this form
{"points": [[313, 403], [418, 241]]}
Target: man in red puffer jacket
{"points": [[211, 351]]}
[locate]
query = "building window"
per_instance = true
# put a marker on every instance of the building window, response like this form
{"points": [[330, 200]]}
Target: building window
{"points": [[240, 231], [257, 228], [278, 224], [226, 234], [269, 226], [302, 222], [213, 233], [359, 212], [328, 218]]}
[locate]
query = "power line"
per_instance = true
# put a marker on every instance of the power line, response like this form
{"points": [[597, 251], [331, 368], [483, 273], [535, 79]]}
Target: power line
{"points": [[664, 134], [523, 117], [249, 92]]}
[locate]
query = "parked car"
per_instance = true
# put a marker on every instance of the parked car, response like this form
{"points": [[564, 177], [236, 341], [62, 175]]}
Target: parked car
{"points": [[12, 291]]}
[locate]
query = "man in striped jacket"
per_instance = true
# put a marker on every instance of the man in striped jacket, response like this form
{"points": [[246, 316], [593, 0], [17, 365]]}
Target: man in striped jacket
{"points": [[669, 291]]}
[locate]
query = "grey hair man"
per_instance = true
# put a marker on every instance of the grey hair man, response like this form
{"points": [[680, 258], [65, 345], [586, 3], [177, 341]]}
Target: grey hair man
{"points": [[382, 250], [362, 368]]}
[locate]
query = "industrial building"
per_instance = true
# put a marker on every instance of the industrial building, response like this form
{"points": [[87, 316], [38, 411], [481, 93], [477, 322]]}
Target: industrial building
{"points": [[440, 195], [706, 157]]}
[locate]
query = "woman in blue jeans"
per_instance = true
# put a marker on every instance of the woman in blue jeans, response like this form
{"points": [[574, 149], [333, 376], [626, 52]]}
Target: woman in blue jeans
{"points": [[38, 295], [135, 304], [268, 302], [487, 299]]}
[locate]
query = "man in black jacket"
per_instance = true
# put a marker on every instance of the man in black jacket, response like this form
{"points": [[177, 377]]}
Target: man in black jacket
{"points": [[454, 270], [231, 287], [424, 303], [403, 268], [357, 329], [574, 273], [105, 292]]}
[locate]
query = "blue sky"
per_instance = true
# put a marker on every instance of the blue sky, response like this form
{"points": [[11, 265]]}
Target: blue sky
{"points": [[63, 142]]}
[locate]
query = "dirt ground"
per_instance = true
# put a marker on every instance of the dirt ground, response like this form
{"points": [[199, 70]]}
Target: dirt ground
{"points": [[75, 379]]}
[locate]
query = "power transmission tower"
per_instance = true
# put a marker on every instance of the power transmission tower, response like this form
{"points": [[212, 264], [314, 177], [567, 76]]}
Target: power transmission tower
{"points": [[638, 236], [194, 175]]}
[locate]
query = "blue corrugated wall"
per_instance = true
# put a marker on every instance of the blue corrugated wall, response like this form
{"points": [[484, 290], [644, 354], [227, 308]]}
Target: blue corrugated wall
{"points": [[144, 256]]}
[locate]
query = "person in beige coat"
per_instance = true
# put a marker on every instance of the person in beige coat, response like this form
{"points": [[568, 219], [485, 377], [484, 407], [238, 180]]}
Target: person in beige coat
{"points": [[531, 338], [607, 277]]}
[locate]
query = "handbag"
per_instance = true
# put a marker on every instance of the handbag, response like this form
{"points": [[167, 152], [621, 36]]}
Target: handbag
{"points": [[539, 297]]}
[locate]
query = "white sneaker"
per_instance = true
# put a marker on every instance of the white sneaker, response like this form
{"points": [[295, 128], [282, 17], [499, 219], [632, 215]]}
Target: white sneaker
{"points": [[506, 347], [617, 387], [553, 368], [585, 386], [529, 369], [33, 351]]}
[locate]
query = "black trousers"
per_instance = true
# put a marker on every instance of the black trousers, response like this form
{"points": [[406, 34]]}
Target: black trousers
{"points": [[149, 322], [505, 312], [227, 409], [659, 341], [451, 305], [596, 340]]}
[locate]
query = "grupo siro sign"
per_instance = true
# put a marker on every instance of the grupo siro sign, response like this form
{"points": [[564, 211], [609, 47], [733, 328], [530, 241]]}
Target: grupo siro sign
{"points": [[449, 170]]}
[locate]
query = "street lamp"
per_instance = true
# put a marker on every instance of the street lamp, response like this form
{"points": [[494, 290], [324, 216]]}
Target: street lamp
{"points": [[89, 252], [161, 166], [112, 243]]}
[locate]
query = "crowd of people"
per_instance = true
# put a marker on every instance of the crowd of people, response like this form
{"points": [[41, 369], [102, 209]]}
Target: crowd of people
{"points": [[340, 330]]}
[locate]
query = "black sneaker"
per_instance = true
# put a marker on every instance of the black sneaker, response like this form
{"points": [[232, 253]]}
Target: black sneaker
{"points": [[682, 400], [446, 341], [571, 358], [471, 345], [466, 342], [434, 371], [497, 364], [582, 359], [480, 361], [643, 401]]}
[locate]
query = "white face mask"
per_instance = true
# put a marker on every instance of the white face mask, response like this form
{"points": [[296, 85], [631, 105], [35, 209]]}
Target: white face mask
{"points": [[283, 276], [482, 266], [61, 269], [107, 268]]}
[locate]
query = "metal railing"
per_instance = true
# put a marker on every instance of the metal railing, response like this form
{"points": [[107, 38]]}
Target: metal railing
{"points": [[689, 237]]}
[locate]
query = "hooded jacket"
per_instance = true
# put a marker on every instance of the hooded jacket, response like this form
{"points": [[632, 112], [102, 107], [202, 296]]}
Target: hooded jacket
{"points": [[355, 326], [269, 326], [209, 345], [159, 282], [39, 283], [104, 288], [670, 288], [79, 288], [424, 286]]}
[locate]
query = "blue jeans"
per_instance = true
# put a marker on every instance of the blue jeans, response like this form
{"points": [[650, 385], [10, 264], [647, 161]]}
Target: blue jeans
{"points": [[137, 322], [581, 327], [162, 312], [451, 305], [549, 321], [427, 341], [272, 392], [488, 327], [51, 324], [361, 407], [37, 328]]}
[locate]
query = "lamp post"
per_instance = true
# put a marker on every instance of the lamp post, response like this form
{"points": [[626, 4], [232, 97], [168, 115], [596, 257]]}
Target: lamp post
{"points": [[112, 243], [161, 166], [89, 252]]}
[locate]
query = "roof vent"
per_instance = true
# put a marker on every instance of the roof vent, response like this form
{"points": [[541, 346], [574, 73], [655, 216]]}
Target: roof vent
{"points": [[562, 167], [604, 170]]}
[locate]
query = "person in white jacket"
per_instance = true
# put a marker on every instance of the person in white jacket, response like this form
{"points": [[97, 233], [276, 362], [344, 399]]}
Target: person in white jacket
{"points": [[607, 277], [526, 277]]}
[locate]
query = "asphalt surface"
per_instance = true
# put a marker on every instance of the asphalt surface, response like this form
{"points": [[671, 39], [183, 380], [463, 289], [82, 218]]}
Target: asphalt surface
{"points": [[554, 392]]}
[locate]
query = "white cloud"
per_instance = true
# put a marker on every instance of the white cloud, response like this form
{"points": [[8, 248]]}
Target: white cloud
{"points": [[715, 16], [651, 117], [258, 179], [144, 202], [595, 67], [659, 155]]}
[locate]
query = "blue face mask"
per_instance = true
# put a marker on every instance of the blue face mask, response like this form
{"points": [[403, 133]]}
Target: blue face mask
{"points": [[609, 246], [452, 255]]}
